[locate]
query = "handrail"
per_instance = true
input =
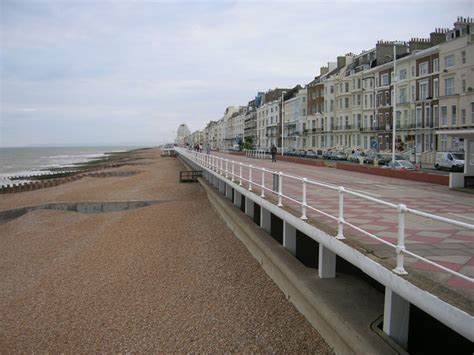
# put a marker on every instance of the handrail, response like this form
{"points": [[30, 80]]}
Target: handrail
{"points": [[225, 167], [257, 153]]}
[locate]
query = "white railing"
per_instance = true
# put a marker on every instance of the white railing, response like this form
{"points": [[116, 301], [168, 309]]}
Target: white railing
{"points": [[234, 170], [257, 153]]}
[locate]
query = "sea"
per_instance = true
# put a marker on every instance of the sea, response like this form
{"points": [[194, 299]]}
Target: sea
{"points": [[27, 161]]}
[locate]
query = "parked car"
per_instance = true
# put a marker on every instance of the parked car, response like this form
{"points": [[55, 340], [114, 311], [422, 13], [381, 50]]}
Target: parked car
{"points": [[382, 160], [311, 154], [301, 153], [401, 165], [327, 154], [290, 152], [354, 157], [449, 160], [338, 156]]}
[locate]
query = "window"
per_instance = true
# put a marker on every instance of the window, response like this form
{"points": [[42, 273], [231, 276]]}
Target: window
{"points": [[463, 57], [418, 117], [358, 99], [449, 84], [443, 140], [463, 86], [412, 72], [331, 89], [412, 93], [423, 68], [403, 74], [346, 102], [449, 61], [436, 116], [435, 88], [384, 79], [463, 116], [365, 100], [427, 117], [304, 99], [472, 112], [347, 87], [435, 65], [358, 83], [313, 95], [453, 115], [399, 115], [331, 105], [371, 100], [444, 116], [423, 90], [403, 95]]}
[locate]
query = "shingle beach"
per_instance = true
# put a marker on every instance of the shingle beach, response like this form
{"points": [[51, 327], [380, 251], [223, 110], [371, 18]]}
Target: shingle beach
{"points": [[164, 278]]}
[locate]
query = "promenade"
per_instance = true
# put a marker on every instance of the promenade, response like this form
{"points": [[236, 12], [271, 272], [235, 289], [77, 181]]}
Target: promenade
{"points": [[450, 246], [170, 277]]}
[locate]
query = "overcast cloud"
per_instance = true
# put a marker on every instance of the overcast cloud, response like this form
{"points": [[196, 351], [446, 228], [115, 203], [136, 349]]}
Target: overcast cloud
{"points": [[129, 72]]}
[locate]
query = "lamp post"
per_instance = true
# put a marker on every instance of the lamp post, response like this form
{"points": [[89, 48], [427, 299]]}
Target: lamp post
{"points": [[394, 118], [282, 111]]}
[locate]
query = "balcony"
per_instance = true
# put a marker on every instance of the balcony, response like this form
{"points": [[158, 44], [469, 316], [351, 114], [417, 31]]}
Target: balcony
{"points": [[406, 126]]}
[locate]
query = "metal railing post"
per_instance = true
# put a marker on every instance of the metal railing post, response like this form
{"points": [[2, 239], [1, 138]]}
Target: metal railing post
{"points": [[226, 167], [400, 270], [303, 203], [232, 178], [340, 221], [250, 177], [240, 177], [222, 166], [262, 194], [280, 188]]}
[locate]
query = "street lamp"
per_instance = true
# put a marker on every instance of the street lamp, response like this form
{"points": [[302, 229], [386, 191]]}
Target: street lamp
{"points": [[281, 113], [394, 117]]}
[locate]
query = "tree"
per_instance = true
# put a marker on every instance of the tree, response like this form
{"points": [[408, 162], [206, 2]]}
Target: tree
{"points": [[248, 143]]}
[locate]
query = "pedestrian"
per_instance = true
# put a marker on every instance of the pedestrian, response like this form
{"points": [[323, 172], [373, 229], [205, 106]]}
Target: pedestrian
{"points": [[208, 148], [273, 151]]}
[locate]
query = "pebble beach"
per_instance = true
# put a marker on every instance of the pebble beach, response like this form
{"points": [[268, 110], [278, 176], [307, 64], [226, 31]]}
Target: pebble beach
{"points": [[170, 277]]}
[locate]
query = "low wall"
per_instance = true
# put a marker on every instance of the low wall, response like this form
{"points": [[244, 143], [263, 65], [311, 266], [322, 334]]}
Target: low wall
{"points": [[313, 162], [407, 175]]}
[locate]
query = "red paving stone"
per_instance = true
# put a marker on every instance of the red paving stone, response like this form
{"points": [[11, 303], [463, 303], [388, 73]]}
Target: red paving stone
{"points": [[376, 218]]}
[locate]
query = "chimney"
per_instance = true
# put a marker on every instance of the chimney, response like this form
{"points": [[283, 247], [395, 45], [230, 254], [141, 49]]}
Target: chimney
{"points": [[323, 70], [384, 51], [438, 36], [341, 61]]}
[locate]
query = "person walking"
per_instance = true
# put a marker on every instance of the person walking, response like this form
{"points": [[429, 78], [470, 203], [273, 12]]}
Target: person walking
{"points": [[273, 151]]}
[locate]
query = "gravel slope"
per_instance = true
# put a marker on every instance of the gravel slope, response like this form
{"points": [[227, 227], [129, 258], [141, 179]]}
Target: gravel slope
{"points": [[168, 277]]}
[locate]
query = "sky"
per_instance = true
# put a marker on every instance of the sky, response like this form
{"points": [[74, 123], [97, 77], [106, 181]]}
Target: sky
{"points": [[95, 72]]}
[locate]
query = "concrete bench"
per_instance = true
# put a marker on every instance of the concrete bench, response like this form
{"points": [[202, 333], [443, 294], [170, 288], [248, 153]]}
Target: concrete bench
{"points": [[189, 175]]}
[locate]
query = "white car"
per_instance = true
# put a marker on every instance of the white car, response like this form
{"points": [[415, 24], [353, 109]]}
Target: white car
{"points": [[401, 165]]}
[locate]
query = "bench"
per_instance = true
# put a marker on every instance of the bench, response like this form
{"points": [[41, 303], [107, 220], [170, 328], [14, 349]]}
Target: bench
{"points": [[468, 181], [189, 175]]}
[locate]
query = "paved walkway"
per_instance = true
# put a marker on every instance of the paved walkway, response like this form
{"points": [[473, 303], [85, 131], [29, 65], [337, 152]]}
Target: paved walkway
{"points": [[448, 245]]}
